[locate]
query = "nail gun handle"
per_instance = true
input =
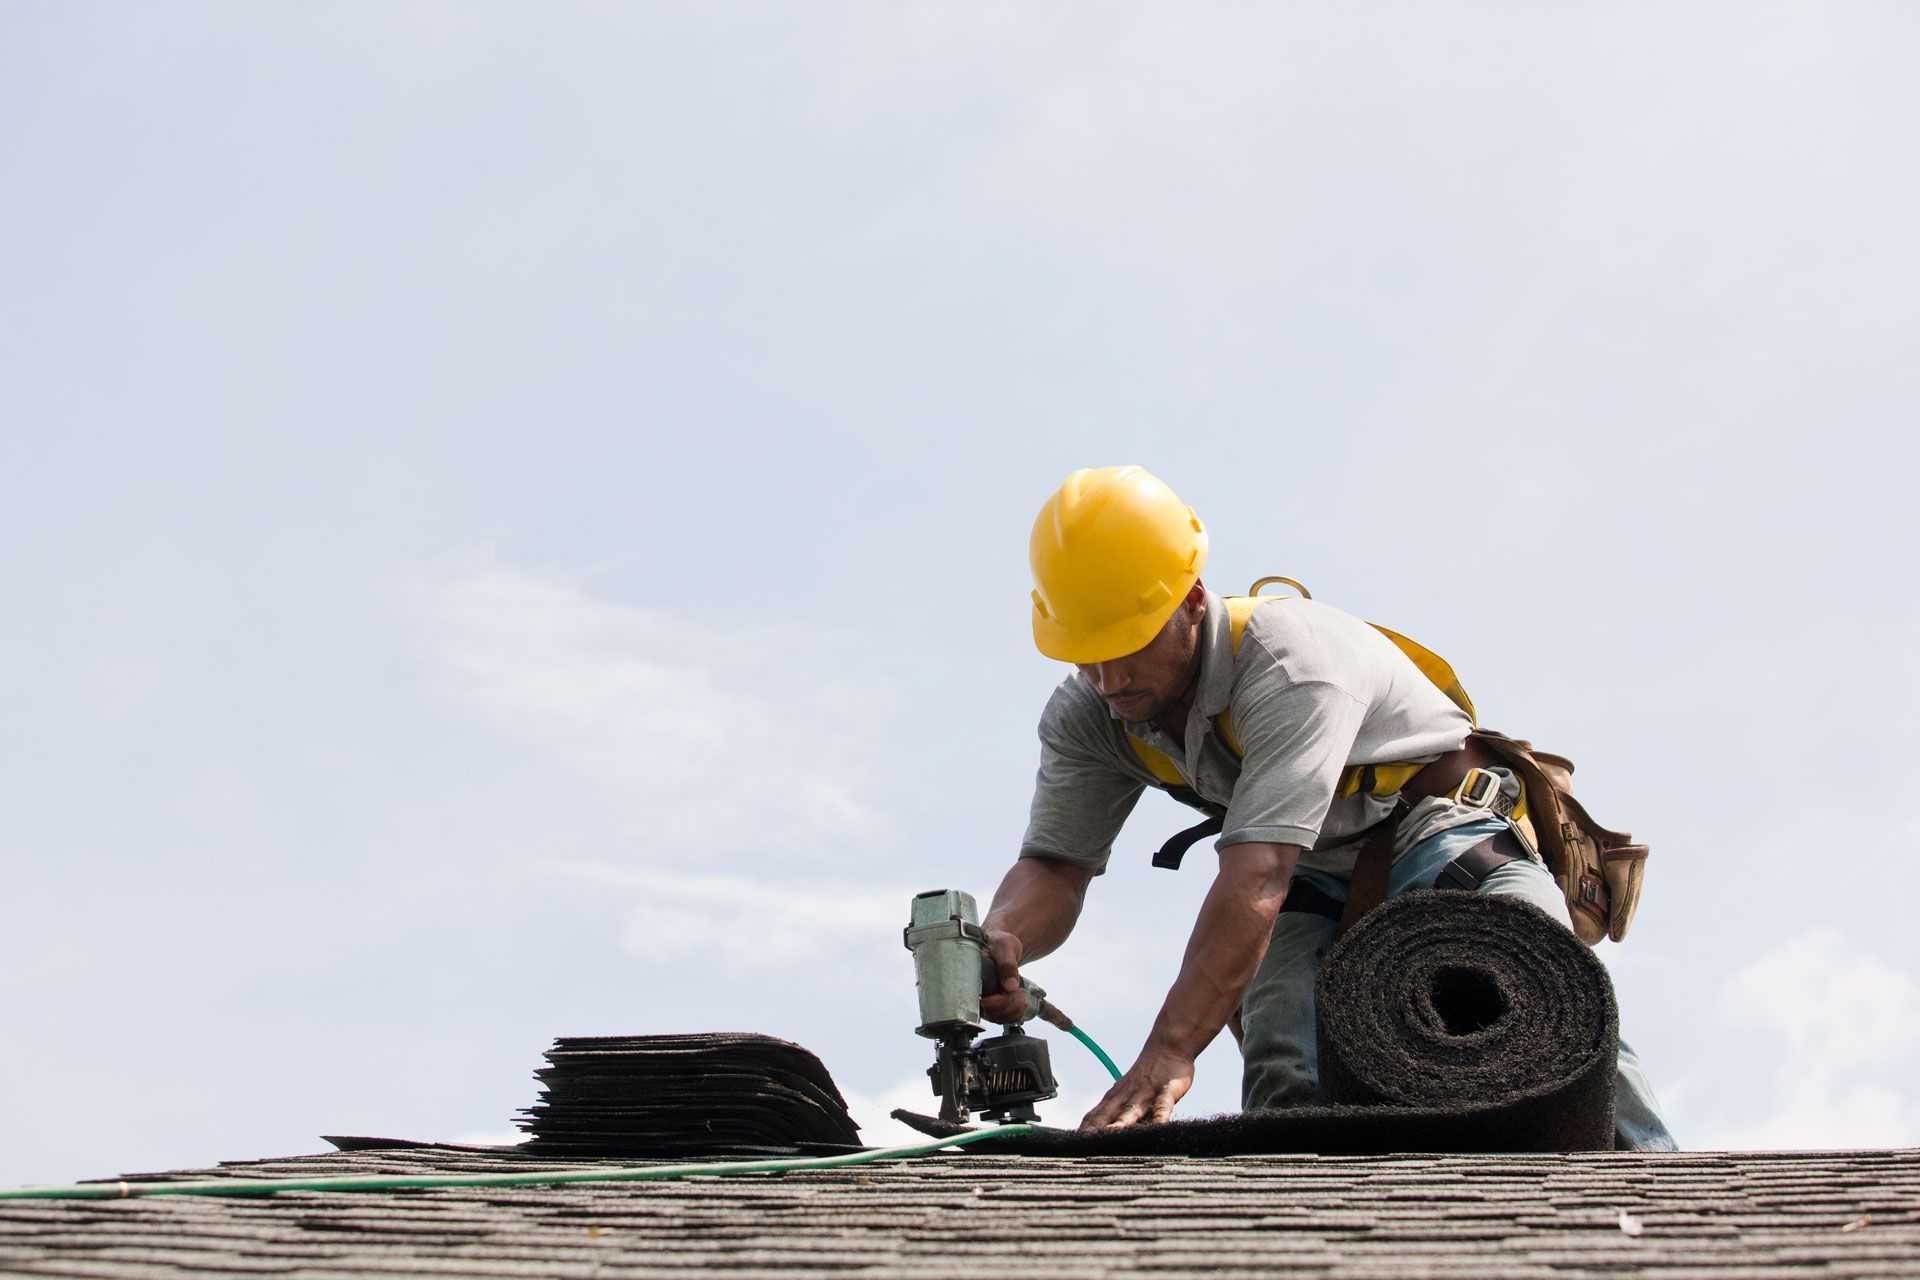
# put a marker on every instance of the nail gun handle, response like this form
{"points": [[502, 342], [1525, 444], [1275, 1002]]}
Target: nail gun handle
{"points": [[990, 986]]}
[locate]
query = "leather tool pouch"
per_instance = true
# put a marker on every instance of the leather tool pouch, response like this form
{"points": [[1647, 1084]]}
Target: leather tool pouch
{"points": [[1600, 871]]}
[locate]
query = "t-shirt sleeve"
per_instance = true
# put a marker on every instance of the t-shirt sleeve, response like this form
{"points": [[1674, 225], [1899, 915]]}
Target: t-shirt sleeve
{"points": [[1081, 798], [1296, 739]]}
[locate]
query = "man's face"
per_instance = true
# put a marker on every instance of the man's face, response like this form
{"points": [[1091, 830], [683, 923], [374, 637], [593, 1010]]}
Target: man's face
{"points": [[1143, 684]]}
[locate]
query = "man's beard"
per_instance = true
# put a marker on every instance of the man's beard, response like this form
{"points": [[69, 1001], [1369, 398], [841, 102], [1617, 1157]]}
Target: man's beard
{"points": [[1155, 709]]}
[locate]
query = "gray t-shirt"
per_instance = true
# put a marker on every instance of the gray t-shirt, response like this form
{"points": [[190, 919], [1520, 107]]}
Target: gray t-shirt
{"points": [[1311, 691]]}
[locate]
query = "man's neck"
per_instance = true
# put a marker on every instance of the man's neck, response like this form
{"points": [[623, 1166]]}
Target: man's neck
{"points": [[1174, 718]]}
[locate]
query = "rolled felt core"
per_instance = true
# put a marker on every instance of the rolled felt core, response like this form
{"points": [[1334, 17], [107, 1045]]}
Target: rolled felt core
{"points": [[1473, 1005]]}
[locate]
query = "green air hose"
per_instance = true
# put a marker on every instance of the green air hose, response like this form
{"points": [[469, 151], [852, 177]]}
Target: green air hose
{"points": [[1051, 1013], [1098, 1052], [394, 1182], [640, 1173]]}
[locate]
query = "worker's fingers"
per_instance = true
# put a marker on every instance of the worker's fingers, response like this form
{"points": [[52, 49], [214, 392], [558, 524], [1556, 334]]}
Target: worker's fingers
{"points": [[1125, 1103], [1007, 952], [1003, 1008], [1173, 1088], [1148, 1091], [1102, 1111]]}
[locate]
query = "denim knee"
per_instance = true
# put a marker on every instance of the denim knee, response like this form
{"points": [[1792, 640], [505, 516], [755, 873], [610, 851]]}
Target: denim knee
{"points": [[1277, 1047]]}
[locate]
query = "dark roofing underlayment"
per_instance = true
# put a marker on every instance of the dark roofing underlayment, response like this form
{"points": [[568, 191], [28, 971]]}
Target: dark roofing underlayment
{"points": [[1448, 1022], [1698, 1215]]}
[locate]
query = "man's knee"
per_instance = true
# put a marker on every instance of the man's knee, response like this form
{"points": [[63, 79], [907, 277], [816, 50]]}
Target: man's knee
{"points": [[1532, 883], [1277, 1014]]}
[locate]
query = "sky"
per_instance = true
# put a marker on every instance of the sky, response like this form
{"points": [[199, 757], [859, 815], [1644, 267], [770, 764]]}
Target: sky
{"points": [[513, 518]]}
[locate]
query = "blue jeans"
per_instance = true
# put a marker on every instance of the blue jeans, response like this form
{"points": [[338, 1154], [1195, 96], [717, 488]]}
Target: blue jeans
{"points": [[1281, 1067]]}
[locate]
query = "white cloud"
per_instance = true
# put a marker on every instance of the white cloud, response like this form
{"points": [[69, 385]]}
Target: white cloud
{"points": [[742, 736], [1849, 1032], [1855, 1116], [1837, 1007], [746, 923]]}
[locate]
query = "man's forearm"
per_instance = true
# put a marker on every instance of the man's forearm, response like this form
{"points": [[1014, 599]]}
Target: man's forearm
{"points": [[1038, 902], [1229, 940]]}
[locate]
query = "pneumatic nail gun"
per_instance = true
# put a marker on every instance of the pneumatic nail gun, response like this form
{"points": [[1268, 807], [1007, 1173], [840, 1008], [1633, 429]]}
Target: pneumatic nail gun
{"points": [[1001, 1076]]}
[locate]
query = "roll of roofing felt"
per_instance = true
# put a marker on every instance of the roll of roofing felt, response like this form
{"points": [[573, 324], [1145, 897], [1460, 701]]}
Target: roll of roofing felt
{"points": [[1481, 1009], [1448, 1022]]}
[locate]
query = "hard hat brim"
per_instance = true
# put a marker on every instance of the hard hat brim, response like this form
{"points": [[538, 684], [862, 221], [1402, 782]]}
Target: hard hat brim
{"points": [[1076, 645]]}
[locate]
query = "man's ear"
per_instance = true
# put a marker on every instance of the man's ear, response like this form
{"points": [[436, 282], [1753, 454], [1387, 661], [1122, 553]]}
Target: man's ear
{"points": [[1196, 602]]}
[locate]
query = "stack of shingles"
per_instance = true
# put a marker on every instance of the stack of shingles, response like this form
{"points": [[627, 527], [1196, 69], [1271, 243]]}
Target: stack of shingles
{"points": [[719, 1094]]}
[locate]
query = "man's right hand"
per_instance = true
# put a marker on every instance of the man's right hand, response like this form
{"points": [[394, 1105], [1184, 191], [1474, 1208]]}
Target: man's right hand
{"points": [[1009, 1005]]}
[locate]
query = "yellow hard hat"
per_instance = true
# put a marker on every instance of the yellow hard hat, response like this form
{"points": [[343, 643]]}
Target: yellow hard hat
{"points": [[1114, 552]]}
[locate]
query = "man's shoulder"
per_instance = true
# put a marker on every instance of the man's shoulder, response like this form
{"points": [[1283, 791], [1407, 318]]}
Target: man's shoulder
{"points": [[1296, 642], [1289, 624]]}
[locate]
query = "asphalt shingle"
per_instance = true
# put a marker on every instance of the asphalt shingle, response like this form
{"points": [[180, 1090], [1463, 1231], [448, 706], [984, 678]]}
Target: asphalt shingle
{"points": [[1701, 1214]]}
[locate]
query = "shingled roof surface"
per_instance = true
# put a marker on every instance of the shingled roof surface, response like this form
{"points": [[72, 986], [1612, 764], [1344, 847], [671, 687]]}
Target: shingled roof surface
{"points": [[1696, 1214]]}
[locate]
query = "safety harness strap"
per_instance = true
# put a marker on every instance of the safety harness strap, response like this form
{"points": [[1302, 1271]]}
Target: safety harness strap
{"points": [[1310, 899], [1170, 854], [1476, 864], [1367, 887], [1373, 779], [1465, 872], [1444, 776]]}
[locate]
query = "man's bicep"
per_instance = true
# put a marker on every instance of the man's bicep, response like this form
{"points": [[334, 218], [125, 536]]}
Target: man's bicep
{"points": [[1263, 859], [1071, 876]]}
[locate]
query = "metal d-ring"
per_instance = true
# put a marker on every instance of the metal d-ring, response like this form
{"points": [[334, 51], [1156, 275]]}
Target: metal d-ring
{"points": [[1305, 594]]}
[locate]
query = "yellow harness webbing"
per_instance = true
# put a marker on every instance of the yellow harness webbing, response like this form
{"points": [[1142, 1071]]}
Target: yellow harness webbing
{"points": [[1374, 779]]}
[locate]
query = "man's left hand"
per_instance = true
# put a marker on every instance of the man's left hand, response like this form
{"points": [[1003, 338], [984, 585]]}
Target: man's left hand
{"points": [[1146, 1092]]}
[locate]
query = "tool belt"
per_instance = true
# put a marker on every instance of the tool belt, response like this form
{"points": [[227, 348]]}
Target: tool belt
{"points": [[1599, 871]]}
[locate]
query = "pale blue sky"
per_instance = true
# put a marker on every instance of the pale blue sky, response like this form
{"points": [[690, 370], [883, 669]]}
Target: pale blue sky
{"points": [[512, 517]]}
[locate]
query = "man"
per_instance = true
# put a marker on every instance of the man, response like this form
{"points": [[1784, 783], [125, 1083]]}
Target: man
{"points": [[1271, 732]]}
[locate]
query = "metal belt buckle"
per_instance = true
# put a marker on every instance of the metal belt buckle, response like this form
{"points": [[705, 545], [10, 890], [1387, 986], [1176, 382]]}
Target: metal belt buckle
{"points": [[1479, 789]]}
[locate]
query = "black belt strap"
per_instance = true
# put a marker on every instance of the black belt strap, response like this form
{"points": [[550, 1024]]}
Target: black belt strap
{"points": [[1168, 859], [1306, 896], [1464, 872], [1476, 864]]}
